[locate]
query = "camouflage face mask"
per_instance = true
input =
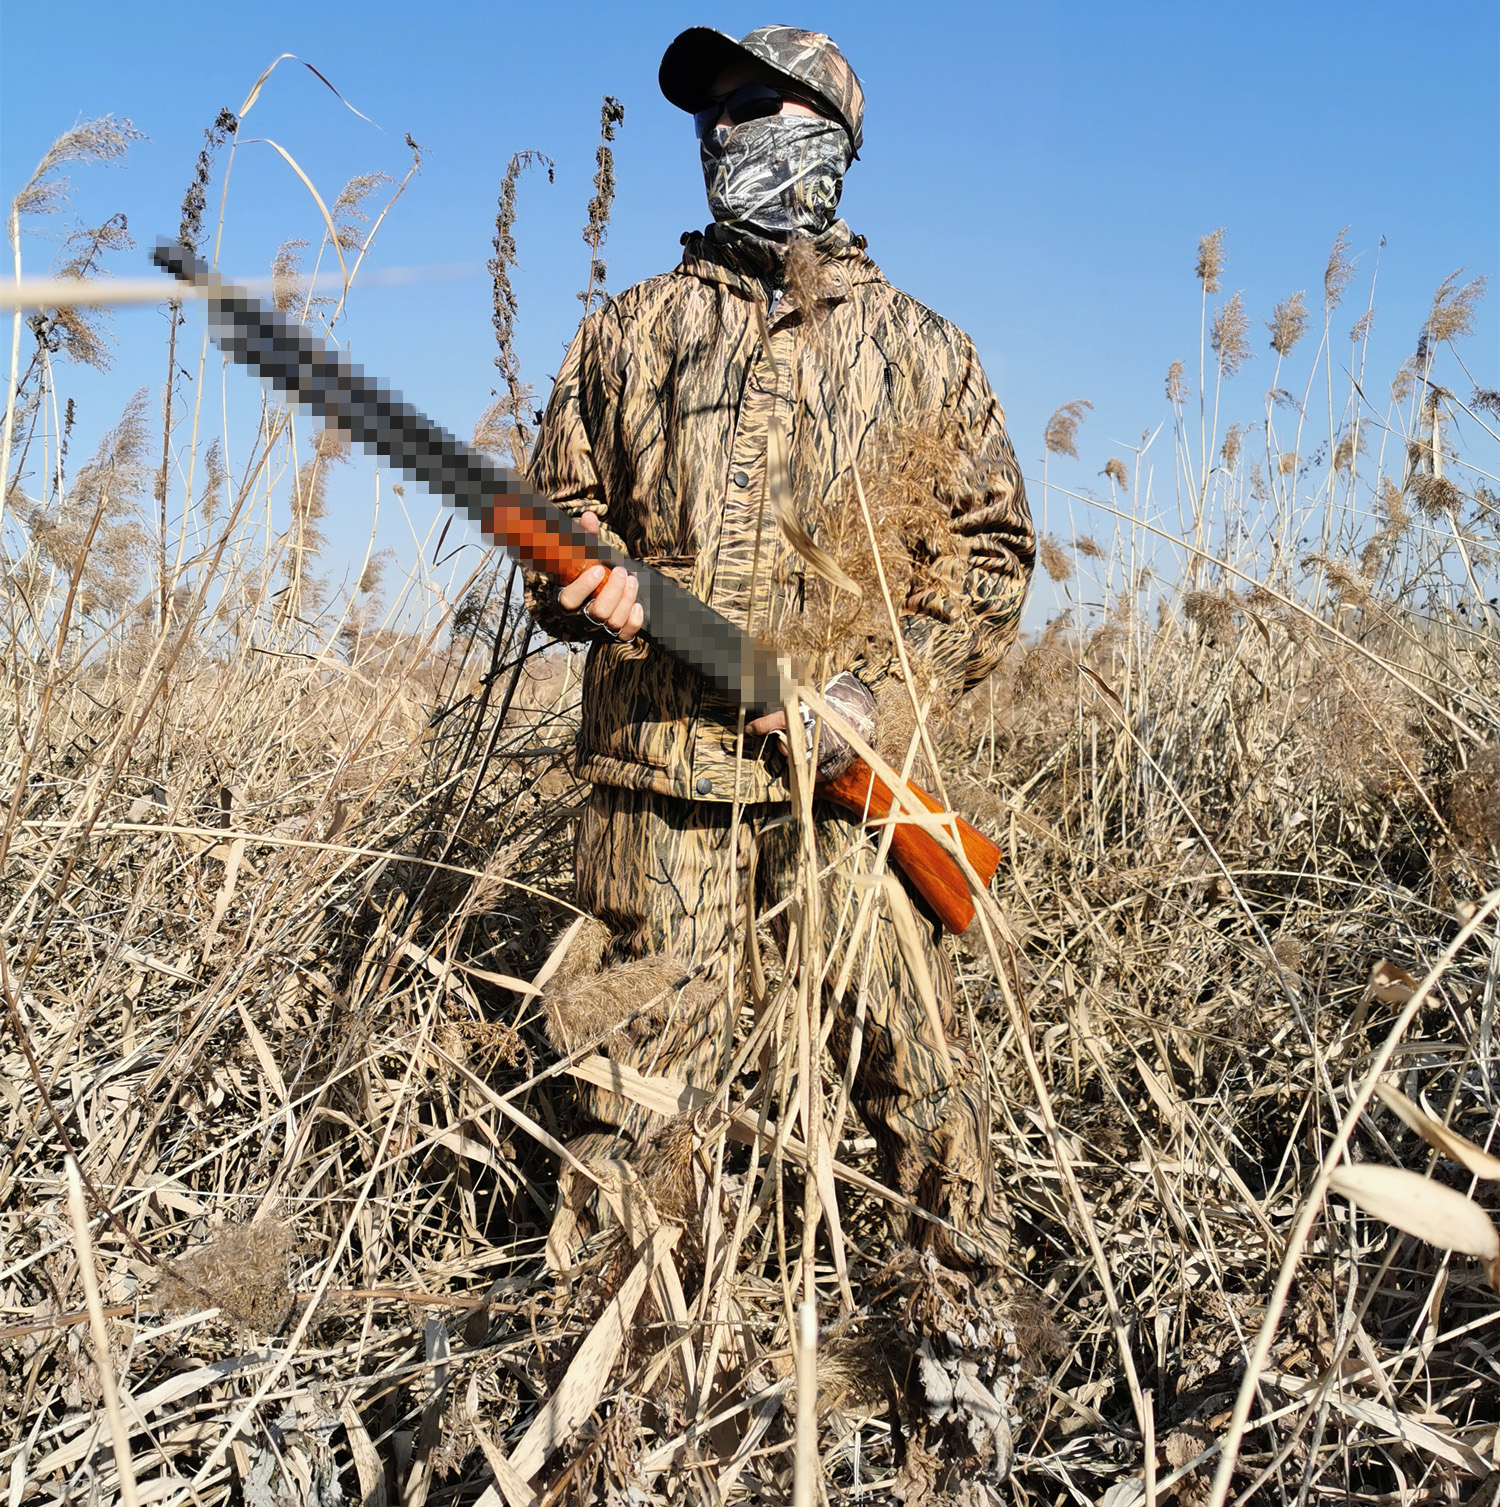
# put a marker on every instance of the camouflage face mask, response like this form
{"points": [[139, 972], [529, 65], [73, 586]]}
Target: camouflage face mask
{"points": [[781, 174]]}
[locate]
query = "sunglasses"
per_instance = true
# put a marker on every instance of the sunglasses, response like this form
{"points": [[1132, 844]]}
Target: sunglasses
{"points": [[750, 102]]}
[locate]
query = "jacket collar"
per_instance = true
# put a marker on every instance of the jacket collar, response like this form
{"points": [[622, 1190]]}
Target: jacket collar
{"points": [[749, 263]]}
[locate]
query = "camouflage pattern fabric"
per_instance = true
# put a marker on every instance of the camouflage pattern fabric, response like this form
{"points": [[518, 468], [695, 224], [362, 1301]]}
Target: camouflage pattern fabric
{"points": [[657, 872], [699, 55], [783, 174], [659, 422]]}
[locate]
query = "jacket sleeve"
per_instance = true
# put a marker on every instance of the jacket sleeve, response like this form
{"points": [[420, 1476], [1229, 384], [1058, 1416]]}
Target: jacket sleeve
{"points": [[569, 465], [964, 607]]}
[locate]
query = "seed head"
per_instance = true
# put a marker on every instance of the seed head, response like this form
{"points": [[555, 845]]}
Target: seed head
{"points": [[1212, 611], [82, 334], [1287, 324], [1211, 260], [196, 198], [348, 212], [373, 573], [1339, 273], [1436, 495], [611, 114], [1047, 665], [503, 426], [1453, 311], [243, 1268], [1349, 583], [1349, 446], [1177, 390], [101, 140], [1258, 488], [287, 285], [1475, 813], [1233, 445], [1054, 561], [1392, 503], [1405, 379], [1061, 433], [1230, 328], [1114, 468], [807, 281]]}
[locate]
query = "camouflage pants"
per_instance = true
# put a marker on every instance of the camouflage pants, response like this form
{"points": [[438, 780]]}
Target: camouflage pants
{"points": [[656, 871]]}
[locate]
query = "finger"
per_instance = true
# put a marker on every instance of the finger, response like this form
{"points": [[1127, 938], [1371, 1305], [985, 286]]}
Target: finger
{"points": [[619, 618], [772, 722], [574, 595], [590, 522], [634, 626], [607, 598]]}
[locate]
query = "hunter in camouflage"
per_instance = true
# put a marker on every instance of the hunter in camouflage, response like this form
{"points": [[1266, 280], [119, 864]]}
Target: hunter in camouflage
{"points": [[681, 407]]}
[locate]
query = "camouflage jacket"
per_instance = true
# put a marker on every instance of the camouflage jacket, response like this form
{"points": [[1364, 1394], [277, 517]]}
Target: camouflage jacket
{"points": [[659, 422]]}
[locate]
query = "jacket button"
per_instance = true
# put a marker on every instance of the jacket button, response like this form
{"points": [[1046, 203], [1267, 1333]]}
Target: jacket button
{"points": [[704, 785], [741, 479]]}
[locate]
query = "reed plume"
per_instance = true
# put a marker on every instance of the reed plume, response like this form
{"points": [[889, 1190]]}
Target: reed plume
{"points": [[1061, 434], [1231, 325], [1210, 266], [96, 532], [349, 217], [1339, 272], [1054, 558], [48, 189], [1288, 324], [1455, 307], [77, 333]]}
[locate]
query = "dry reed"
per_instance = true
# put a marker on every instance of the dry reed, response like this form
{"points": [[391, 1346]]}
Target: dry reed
{"points": [[289, 966]]}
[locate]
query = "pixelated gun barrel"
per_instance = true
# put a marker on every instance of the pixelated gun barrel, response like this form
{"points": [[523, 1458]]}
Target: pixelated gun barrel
{"points": [[293, 360]]}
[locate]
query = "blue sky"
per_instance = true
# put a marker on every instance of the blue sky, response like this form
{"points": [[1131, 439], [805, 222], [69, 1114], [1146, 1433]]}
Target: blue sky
{"points": [[1039, 173]]}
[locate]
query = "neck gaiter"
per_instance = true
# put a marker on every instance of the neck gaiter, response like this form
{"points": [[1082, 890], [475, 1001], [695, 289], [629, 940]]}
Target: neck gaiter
{"points": [[783, 174]]}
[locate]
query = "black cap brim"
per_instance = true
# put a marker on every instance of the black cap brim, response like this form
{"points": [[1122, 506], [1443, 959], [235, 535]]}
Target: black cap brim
{"points": [[695, 59]]}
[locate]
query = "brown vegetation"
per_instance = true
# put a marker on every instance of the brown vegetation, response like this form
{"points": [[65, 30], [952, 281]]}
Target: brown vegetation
{"points": [[287, 941]]}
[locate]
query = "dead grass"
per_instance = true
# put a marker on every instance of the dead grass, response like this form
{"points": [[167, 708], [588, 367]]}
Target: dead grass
{"points": [[289, 966]]}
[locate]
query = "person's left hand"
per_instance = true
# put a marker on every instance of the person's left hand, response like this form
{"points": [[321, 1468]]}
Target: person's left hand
{"points": [[850, 698], [772, 722]]}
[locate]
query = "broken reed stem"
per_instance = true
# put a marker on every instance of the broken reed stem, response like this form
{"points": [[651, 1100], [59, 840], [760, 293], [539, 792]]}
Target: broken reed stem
{"points": [[805, 1483], [1313, 1202], [104, 1363], [8, 432], [1148, 1410], [174, 321]]}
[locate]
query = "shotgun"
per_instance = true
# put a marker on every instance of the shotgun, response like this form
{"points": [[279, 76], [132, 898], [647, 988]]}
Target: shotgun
{"points": [[291, 359]]}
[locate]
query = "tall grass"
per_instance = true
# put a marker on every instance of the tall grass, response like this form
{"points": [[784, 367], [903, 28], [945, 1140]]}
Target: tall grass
{"points": [[285, 891]]}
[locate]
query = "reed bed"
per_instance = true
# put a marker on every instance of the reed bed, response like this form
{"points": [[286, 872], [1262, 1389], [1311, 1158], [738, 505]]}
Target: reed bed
{"points": [[291, 1205]]}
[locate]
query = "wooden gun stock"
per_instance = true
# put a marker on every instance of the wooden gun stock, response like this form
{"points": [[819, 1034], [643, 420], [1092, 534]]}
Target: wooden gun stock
{"points": [[922, 858], [859, 790]]}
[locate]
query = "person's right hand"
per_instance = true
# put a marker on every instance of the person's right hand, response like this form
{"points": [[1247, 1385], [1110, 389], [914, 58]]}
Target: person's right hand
{"points": [[605, 597]]}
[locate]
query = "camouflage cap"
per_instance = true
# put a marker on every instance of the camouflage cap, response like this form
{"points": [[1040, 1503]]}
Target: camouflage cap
{"points": [[697, 57]]}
